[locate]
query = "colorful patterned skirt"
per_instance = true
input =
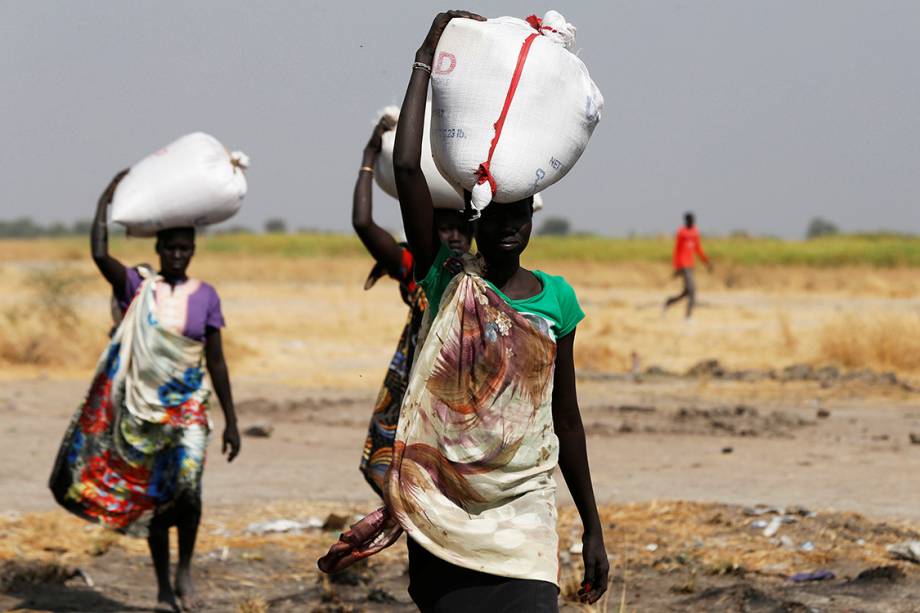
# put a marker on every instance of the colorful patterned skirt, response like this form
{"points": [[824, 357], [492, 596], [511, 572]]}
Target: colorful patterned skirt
{"points": [[378, 447], [136, 445]]}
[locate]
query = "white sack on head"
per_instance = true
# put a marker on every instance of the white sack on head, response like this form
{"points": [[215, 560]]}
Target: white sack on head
{"points": [[512, 108], [443, 194], [193, 181]]}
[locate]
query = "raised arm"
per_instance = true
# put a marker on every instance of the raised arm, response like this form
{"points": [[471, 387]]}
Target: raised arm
{"points": [[111, 269], [379, 243], [414, 197], [220, 379], [573, 461]]}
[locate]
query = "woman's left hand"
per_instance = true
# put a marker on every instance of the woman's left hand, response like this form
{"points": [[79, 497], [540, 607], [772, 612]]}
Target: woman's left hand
{"points": [[376, 140], [596, 568], [231, 442]]}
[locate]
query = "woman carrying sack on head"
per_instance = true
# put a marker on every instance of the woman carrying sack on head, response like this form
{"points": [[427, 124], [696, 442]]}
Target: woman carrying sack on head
{"points": [[395, 260], [490, 411], [133, 456]]}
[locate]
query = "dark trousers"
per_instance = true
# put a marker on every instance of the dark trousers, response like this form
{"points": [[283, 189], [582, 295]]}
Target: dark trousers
{"points": [[437, 586], [689, 291]]}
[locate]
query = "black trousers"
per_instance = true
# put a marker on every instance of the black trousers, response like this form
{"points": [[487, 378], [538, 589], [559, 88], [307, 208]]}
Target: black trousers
{"points": [[437, 586]]}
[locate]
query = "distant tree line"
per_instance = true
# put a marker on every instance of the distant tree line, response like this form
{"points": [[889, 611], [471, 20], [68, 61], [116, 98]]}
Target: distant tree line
{"points": [[555, 226], [275, 225], [819, 227], [26, 227]]}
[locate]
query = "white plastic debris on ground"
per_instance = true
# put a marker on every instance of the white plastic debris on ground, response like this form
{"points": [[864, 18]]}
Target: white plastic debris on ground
{"points": [[908, 550], [278, 526]]}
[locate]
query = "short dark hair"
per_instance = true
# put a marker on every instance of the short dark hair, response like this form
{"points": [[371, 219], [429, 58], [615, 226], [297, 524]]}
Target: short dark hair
{"points": [[689, 218], [457, 215]]}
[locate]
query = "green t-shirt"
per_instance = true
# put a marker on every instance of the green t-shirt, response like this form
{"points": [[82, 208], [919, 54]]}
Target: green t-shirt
{"points": [[556, 301]]}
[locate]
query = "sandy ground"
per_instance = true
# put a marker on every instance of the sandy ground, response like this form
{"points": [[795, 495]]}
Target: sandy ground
{"points": [[672, 557], [664, 438], [675, 459], [661, 439]]}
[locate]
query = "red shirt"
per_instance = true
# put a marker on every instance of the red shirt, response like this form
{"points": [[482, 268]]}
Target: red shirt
{"points": [[686, 245]]}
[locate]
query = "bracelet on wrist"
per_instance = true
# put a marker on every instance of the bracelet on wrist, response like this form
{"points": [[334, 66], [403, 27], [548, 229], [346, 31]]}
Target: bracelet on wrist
{"points": [[369, 169], [421, 66]]}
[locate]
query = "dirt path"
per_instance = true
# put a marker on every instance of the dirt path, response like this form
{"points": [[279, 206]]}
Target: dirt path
{"points": [[664, 557], [658, 440], [842, 447]]}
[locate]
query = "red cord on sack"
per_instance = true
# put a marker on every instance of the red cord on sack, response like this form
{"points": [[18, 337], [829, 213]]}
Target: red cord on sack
{"points": [[537, 24], [483, 172]]}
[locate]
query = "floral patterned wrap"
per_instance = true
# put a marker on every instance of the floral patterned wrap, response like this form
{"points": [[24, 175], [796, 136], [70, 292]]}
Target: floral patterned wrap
{"points": [[138, 441], [471, 478]]}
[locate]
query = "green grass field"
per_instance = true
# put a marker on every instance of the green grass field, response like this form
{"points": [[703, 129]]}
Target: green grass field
{"points": [[881, 251], [885, 251]]}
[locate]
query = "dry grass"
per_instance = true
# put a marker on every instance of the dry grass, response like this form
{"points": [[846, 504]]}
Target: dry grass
{"points": [[41, 325], [704, 538], [789, 341], [881, 341], [305, 320], [252, 605]]}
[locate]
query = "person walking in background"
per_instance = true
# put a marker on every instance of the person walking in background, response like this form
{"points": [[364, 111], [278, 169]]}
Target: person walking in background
{"points": [[394, 259], [687, 246], [133, 455]]}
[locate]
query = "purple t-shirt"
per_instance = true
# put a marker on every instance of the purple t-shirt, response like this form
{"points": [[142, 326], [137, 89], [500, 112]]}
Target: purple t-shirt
{"points": [[191, 307]]}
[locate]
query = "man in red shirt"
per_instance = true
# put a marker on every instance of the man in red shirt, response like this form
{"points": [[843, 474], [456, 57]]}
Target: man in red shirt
{"points": [[686, 246]]}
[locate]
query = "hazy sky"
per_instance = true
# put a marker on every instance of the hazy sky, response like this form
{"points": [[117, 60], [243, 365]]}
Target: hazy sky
{"points": [[757, 115]]}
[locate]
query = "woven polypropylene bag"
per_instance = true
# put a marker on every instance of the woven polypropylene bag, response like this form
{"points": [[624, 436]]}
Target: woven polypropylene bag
{"points": [[443, 194], [193, 181], [512, 107]]}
